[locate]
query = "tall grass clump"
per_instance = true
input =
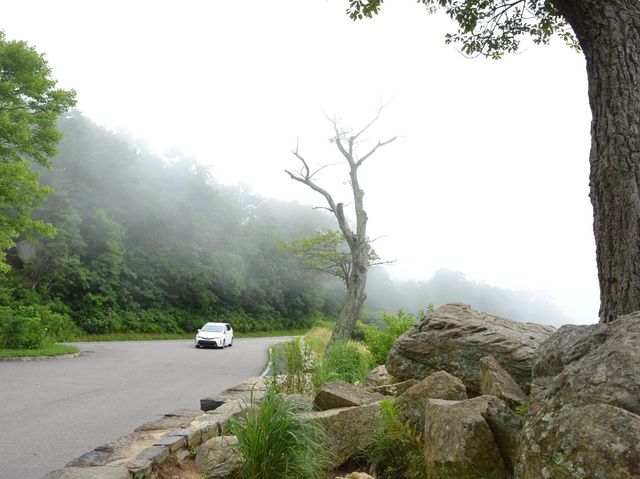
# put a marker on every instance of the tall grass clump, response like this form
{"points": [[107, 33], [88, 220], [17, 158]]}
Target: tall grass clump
{"points": [[291, 364], [275, 440], [398, 449], [346, 360], [317, 339]]}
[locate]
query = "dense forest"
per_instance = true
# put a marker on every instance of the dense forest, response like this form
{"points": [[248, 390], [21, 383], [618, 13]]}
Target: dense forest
{"points": [[154, 244], [145, 243]]}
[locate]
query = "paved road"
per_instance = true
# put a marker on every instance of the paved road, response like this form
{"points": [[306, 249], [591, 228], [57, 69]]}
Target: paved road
{"points": [[53, 411]]}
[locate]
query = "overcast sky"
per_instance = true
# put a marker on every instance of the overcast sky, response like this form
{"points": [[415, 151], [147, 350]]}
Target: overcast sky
{"points": [[489, 175]]}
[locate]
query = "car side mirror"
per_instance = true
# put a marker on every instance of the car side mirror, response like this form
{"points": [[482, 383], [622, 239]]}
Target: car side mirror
{"points": [[199, 330]]}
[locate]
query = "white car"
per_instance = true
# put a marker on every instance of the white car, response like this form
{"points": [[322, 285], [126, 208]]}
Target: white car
{"points": [[218, 335]]}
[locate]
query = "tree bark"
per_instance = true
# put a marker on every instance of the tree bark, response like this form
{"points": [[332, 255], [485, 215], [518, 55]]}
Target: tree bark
{"points": [[609, 34], [356, 284]]}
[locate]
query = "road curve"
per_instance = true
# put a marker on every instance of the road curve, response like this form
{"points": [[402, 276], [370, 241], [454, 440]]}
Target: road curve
{"points": [[53, 411]]}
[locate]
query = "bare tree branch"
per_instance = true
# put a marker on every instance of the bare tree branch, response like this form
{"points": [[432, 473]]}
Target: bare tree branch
{"points": [[373, 150], [355, 137]]}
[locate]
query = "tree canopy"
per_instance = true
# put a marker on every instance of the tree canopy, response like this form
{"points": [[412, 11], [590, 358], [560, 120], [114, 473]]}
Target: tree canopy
{"points": [[154, 244], [30, 105], [490, 27]]}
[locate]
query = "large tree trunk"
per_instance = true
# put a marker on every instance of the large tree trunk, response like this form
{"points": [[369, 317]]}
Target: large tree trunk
{"points": [[356, 284], [609, 34]]}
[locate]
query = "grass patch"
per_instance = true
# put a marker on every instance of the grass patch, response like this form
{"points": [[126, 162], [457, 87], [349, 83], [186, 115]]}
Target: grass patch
{"points": [[46, 350], [277, 442], [398, 449], [317, 339], [348, 361], [133, 337], [169, 336]]}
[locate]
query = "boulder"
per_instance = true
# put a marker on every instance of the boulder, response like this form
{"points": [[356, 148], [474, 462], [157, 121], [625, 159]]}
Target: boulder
{"points": [[358, 475], [378, 376], [351, 429], [394, 389], [593, 441], [599, 363], [470, 439], [584, 412], [439, 385], [217, 459], [495, 381], [454, 337], [336, 394]]}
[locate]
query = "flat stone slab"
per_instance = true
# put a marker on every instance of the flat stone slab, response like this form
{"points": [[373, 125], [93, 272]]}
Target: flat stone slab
{"points": [[120, 448], [172, 442], [254, 386], [337, 394], [173, 420], [155, 454], [108, 472]]}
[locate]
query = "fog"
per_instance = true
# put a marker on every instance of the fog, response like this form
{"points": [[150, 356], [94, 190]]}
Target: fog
{"points": [[489, 177]]}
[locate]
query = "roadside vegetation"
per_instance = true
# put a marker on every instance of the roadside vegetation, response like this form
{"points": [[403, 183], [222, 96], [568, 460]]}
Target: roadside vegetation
{"points": [[47, 349], [276, 441]]}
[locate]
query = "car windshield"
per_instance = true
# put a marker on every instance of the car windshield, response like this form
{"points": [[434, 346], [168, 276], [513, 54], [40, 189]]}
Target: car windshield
{"points": [[212, 328]]}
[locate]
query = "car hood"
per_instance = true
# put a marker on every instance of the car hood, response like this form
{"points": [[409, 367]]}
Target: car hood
{"points": [[210, 335]]}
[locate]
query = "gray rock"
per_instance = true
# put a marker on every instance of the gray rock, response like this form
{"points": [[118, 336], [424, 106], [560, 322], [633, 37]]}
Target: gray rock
{"points": [[439, 385], [106, 472], [378, 376], [172, 420], [217, 458], [584, 412], [395, 389], [351, 429], [337, 394], [470, 439], [495, 381], [454, 337], [172, 442], [596, 441], [139, 468], [112, 451], [248, 390], [600, 363], [155, 454]]}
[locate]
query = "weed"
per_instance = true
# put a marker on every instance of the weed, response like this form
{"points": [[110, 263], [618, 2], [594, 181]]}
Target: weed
{"points": [[398, 450]]}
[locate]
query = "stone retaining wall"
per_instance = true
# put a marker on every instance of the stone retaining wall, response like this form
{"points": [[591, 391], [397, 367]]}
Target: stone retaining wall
{"points": [[140, 454]]}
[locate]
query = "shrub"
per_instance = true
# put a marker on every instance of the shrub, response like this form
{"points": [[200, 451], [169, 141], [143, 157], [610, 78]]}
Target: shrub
{"points": [[398, 449], [21, 331], [380, 341], [346, 360], [276, 441], [28, 327]]}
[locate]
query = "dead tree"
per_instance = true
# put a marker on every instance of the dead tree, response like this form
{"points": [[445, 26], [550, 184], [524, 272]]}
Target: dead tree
{"points": [[357, 240]]}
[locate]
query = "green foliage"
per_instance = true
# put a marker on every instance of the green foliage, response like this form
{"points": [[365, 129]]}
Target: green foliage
{"points": [[149, 246], [380, 341], [291, 363], [398, 450], [276, 442], [346, 360], [325, 252], [30, 105], [28, 327], [490, 27], [522, 409]]}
